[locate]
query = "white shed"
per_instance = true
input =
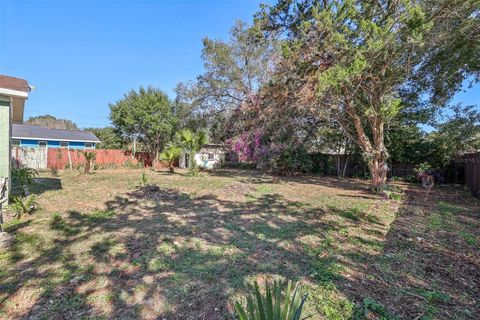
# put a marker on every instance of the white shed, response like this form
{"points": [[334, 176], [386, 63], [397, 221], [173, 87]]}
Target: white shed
{"points": [[209, 157]]}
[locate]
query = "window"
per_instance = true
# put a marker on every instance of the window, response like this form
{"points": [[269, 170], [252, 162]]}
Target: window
{"points": [[63, 144], [211, 157], [15, 143], [88, 145], [42, 144]]}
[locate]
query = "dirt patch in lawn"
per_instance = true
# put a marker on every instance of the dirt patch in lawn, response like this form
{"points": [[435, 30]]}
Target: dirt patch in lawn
{"points": [[180, 247]]}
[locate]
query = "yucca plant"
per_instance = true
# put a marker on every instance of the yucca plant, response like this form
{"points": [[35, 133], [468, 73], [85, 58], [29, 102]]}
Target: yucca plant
{"points": [[273, 305], [89, 159]]}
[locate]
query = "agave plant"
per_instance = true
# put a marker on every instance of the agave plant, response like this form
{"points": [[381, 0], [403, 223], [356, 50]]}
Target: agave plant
{"points": [[273, 305], [89, 158]]}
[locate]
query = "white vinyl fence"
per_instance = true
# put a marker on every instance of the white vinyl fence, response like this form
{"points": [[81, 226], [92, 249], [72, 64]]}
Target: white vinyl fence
{"points": [[35, 158]]}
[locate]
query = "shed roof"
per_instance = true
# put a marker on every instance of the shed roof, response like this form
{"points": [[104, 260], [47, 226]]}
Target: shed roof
{"points": [[12, 83], [25, 131]]}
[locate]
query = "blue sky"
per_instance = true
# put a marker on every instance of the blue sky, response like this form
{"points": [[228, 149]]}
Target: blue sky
{"points": [[83, 55]]}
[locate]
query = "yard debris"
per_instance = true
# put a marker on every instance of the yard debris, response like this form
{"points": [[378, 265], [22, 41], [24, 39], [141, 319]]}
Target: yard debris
{"points": [[155, 193], [240, 188]]}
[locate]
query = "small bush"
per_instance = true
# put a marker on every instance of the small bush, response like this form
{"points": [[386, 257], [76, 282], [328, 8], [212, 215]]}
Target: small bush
{"points": [[143, 179], [54, 172], [24, 205]]}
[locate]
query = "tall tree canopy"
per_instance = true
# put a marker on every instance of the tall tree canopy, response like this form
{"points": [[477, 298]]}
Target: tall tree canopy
{"points": [[234, 72], [365, 62], [147, 115], [52, 122], [109, 137]]}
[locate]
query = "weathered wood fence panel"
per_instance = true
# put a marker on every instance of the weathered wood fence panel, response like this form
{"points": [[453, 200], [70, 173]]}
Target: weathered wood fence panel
{"points": [[472, 172], [62, 158], [402, 170], [44, 158], [35, 158]]}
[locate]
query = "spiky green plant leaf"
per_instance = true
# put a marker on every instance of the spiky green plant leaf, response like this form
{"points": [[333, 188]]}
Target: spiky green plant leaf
{"points": [[274, 304]]}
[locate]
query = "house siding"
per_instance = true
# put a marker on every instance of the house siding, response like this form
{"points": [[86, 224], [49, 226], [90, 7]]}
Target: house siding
{"points": [[202, 160], [31, 143], [4, 137]]}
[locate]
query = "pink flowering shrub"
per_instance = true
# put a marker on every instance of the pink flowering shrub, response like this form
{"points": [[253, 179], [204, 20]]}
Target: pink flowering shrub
{"points": [[248, 146]]}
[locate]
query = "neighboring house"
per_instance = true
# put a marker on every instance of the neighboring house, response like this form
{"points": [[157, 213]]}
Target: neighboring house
{"points": [[209, 157], [28, 136], [13, 93]]}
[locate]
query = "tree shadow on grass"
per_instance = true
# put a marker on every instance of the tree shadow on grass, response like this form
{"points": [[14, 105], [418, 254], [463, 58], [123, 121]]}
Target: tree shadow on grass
{"points": [[163, 254], [41, 185], [427, 268]]}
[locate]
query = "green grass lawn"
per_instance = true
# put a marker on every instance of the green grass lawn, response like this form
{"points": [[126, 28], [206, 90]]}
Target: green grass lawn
{"points": [[101, 247]]}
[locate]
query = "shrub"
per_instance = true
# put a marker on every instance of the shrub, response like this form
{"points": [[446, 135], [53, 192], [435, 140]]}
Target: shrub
{"points": [[54, 171], [422, 168], [24, 205], [22, 177], [143, 179], [273, 305]]}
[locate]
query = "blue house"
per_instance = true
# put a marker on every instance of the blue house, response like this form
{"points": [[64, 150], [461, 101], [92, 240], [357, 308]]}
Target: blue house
{"points": [[27, 136]]}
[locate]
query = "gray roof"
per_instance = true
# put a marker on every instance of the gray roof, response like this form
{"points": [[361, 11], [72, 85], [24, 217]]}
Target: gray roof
{"points": [[25, 131]]}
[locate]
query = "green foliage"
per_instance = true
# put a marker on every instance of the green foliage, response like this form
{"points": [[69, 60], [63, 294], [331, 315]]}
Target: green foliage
{"points": [[371, 305], [361, 64], [274, 304], [147, 115], [109, 137], [22, 178], [143, 179], [422, 168], [52, 122], [191, 142], [171, 154], [234, 72], [23, 175], [23, 205], [459, 134], [89, 160], [290, 160]]}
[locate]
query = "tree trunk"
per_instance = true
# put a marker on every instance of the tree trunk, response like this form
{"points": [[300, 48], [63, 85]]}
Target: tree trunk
{"points": [[155, 160], [87, 167], [170, 167], [378, 170]]}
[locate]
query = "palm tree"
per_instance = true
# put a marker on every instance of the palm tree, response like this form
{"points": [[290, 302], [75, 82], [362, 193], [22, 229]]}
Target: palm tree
{"points": [[89, 158], [192, 143], [170, 154]]}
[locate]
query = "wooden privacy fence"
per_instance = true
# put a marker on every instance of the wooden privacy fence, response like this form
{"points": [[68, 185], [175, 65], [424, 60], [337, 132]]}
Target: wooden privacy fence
{"points": [[472, 172], [35, 158], [44, 158], [62, 158]]}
